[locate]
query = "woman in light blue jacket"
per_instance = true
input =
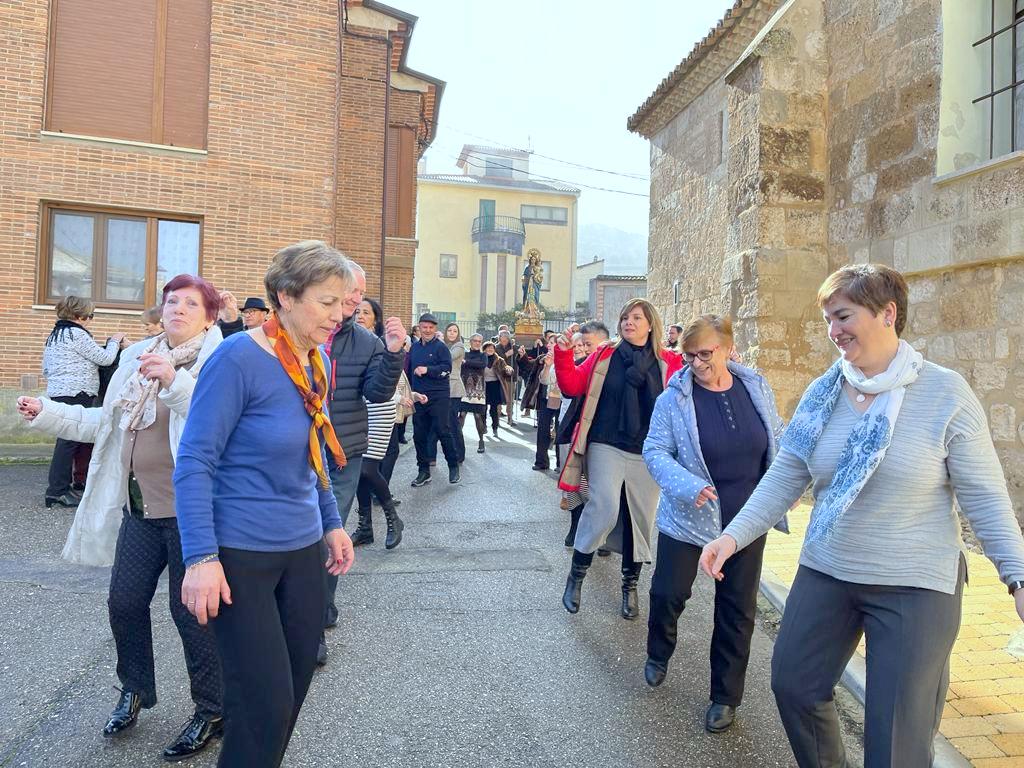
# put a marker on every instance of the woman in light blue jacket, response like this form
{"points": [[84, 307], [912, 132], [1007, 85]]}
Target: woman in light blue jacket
{"points": [[713, 433]]}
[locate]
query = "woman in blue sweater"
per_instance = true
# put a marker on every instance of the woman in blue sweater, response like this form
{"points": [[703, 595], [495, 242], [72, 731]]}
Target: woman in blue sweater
{"points": [[251, 521], [713, 434]]}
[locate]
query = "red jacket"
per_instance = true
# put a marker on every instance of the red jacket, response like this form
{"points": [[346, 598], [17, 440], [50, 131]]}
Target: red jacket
{"points": [[575, 380]]}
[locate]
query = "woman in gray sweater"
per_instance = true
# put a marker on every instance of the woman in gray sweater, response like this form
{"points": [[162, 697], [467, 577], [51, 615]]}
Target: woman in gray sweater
{"points": [[886, 441]]}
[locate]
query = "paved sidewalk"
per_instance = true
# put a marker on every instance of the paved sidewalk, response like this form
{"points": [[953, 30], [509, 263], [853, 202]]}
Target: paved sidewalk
{"points": [[984, 716]]}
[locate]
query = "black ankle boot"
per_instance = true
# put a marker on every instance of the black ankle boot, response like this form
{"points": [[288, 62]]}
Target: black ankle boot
{"points": [[574, 584], [574, 521], [364, 533], [125, 713], [480, 446], [630, 601], [395, 526]]}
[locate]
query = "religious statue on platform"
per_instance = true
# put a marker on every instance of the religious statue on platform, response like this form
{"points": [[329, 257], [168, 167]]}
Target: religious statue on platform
{"points": [[533, 279]]}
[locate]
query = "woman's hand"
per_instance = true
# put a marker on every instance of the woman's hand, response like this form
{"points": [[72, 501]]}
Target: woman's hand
{"points": [[342, 555], [715, 554], [419, 398], [121, 339], [202, 590], [706, 494], [29, 407], [1018, 598], [406, 402], [157, 367], [228, 307]]}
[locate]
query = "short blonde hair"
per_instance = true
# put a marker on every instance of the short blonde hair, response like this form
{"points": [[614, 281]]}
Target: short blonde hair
{"points": [[871, 286], [298, 266], [703, 324], [74, 307], [657, 331]]}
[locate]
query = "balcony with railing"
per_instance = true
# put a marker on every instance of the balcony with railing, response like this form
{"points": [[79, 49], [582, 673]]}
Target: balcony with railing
{"points": [[499, 234]]}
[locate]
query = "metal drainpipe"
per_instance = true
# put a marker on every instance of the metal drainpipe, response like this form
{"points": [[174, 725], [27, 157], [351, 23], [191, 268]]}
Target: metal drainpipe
{"points": [[386, 39]]}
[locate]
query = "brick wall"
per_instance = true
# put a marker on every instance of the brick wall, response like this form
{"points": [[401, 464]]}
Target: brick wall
{"points": [[295, 151], [265, 182]]}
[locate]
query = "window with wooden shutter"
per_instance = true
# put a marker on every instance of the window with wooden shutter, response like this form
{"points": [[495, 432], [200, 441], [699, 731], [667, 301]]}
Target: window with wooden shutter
{"points": [[400, 180], [130, 69]]}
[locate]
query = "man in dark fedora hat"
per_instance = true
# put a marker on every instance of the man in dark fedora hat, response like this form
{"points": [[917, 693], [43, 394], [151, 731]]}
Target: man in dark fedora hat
{"points": [[254, 312]]}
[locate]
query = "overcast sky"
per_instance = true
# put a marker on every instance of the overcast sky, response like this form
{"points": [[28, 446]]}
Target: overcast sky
{"points": [[559, 77]]}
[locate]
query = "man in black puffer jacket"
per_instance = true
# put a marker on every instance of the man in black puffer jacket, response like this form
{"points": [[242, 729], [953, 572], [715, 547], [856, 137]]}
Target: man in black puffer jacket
{"points": [[361, 367]]}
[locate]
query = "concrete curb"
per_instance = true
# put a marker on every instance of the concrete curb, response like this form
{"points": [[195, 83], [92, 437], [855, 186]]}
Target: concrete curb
{"points": [[854, 678], [25, 453]]}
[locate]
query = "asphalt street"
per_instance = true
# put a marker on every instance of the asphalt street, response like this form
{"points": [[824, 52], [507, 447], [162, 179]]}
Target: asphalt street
{"points": [[452, 650]]}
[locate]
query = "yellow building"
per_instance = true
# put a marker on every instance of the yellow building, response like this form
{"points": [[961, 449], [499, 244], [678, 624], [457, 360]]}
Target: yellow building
{"points": [[475, 232]]}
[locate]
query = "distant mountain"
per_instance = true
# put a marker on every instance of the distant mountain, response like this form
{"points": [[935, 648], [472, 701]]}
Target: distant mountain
{"points": [[624, 253]]}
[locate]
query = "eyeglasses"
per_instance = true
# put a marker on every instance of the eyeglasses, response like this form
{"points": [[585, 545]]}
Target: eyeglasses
{"points": [[90, 316], [703, 354]]}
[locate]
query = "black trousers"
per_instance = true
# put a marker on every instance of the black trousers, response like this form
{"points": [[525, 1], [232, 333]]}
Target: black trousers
{"points": [[64, 452], [735, 611], [434, 415], [910, 634], [545, 418], [454, 427], [267, 640], [387, 464], [372, 483], [144, 549]]}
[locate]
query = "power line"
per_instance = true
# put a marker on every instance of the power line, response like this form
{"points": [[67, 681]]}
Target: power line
{"points": [[552, 178], [635, 176]]}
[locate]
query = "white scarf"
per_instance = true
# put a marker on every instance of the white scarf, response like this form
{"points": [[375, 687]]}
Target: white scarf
{"points": [[871, 434], [137, 397]]}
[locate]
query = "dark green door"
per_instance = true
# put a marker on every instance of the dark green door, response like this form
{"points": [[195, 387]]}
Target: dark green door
{"points": [[487, 215]]}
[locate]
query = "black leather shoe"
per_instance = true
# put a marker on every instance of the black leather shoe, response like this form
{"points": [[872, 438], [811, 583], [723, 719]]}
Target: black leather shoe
{"points": [[602, 552], [197, 733], [421, 479], [453, 474], [541, 468], [321, 653], [125, 713], [654, 673], [64, 500], [719, 717]]}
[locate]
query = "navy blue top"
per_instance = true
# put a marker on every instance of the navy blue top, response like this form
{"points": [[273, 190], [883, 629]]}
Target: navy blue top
{"points": [[734, 443], [242, 478], [435, 356]]}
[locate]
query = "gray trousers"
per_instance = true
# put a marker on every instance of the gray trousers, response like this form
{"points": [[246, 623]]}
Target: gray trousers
{"points": [[910, 634], [608, 469]]}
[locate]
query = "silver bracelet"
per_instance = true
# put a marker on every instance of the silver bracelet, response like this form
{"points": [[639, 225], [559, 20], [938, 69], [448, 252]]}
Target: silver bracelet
{"points": [[203, 560]]}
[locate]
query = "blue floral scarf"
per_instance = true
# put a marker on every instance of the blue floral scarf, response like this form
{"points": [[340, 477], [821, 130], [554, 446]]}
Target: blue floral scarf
{"points": [[869, 439]]}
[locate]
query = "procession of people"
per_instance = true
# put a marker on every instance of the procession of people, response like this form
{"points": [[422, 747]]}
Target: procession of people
{"points": [[669, 451]]}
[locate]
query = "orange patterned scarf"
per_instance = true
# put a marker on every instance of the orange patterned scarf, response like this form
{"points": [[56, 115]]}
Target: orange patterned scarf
{"points": [[288, 356]]}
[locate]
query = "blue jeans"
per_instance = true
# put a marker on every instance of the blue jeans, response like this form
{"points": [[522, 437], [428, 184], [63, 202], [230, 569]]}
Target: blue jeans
{"points": [[344, 482]]}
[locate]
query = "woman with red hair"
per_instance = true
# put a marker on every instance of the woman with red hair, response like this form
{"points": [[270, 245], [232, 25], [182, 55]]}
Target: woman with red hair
{"points": [[129, 499]]}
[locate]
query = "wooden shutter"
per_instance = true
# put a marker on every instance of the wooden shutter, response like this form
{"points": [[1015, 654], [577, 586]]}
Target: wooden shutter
{"points": [[391, 181], [400, 181], [101, 75], [186, 73]]}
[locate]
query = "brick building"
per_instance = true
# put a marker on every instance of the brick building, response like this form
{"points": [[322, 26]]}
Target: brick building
{"points": [[144, 138], [802, 135]]}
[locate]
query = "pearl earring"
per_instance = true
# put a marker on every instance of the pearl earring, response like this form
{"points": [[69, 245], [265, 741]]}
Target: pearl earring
{"points": [[888, 323]]}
